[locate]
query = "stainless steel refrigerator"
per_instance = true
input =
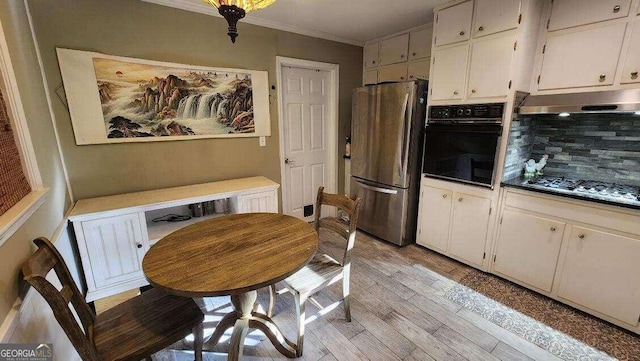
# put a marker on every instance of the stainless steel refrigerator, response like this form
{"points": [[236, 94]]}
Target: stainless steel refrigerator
{"points": [[387, 128]]}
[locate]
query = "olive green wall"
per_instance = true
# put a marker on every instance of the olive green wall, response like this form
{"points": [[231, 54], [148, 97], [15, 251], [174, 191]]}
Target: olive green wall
{"points": [[44, 222], [148, 31]]}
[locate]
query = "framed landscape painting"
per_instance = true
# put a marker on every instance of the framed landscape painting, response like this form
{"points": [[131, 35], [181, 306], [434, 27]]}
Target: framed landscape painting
{"points": [[117, 99]]}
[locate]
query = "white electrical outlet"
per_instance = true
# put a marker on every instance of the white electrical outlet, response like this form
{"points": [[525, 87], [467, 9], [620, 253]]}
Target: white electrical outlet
{"points": [[263, 141]]}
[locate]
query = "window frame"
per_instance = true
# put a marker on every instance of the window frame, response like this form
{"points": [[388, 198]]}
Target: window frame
{"points": [[17, 215]]}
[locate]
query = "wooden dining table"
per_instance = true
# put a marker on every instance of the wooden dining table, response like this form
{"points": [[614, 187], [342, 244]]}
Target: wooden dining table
{"points": [[233, 255]]}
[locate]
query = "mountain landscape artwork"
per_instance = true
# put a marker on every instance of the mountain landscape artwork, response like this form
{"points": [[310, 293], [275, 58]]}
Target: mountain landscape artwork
{"points": [[141, 100], [116, 99]]}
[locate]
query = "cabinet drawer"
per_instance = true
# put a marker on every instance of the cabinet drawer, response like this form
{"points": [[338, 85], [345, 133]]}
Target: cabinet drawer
{"points": [[397, 72], [601, 272], [631, 69], [394, 50], [582, 59], [570, 13], [453, 24], [585, 213]]}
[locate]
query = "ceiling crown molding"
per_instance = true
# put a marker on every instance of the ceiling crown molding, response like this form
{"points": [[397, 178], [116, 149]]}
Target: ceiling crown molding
{"points": [[202, 8]]}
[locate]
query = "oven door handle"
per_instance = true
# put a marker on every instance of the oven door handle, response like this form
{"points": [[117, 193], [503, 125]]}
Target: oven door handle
{"points": [[377, 189]]}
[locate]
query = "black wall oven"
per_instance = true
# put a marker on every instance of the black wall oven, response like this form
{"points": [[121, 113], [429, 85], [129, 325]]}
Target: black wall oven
{"points": [[462, 142]]}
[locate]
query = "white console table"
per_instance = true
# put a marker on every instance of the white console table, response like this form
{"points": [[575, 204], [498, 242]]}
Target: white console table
{"points": [[115, 232]]}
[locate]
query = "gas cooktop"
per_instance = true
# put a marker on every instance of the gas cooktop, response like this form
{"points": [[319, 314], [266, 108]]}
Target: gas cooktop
{"points": [[610, 192]]}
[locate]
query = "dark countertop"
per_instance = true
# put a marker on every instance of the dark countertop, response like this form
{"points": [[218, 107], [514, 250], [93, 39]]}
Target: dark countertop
{"points": [[521, 183]]}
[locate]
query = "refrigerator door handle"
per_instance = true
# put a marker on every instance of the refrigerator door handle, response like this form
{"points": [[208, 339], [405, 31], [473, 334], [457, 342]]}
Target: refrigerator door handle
{"points": [[377, 189]]}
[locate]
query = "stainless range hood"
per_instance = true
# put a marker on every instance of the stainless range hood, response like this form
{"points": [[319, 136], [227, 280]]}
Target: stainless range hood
{"points": [[614, 101]]}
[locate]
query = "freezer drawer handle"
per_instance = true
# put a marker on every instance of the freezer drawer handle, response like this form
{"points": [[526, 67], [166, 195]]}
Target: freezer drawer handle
{"points": [[378, 189]]}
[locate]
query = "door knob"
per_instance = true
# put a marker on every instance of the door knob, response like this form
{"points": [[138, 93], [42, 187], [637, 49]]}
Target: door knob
{"points": [[444, 196], [634, 75], [460, 199], [455, 92], [602, 77], [402, 56], [616, 8], [473, 91], [553, 229], [462, 33], [581, 236], [481, 28], [414, 54], [138, 245], [287, 161]]}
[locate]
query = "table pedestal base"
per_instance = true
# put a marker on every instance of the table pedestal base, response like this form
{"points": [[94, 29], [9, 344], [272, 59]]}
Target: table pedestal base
{"points": [[242, 319]]}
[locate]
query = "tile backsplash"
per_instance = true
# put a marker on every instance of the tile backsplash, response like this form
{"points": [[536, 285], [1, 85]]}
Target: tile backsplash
{"points": [[604, 147]]}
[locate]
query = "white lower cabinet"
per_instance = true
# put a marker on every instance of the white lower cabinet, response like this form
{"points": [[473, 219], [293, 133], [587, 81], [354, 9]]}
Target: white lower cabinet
{"points": [[112, 250], [469, 229], [113, 233], [453, 223], [567, 251], [527, 248], [434, 218], [601, 272]]}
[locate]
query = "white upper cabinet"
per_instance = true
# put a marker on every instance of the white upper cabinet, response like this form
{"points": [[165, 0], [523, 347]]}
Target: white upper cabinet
{"points": [[490, 67], [449, 72], [371, 53], [419, 69], [570, 13], [453, 24], [632, 62], [420, 43], [395, 72], [493, 16], [371, 77], [582, 59], [394, 50]]}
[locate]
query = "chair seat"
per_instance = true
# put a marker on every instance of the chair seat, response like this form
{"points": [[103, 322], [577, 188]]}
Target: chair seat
{"points": [[323, 270], [143, 325]]}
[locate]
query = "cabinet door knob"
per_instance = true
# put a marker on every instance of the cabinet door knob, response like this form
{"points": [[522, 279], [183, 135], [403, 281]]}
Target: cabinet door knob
{"points": [[444, 196], [553, 229], [402, 56], [581, 236], [373, 62], [634, 75], [455, 92], [481, 28], [602, 77], [139, 245], [411, 77], [462, 33], [414, 54], [460, 199], [616, 8], [473, 91], [401, 78]]}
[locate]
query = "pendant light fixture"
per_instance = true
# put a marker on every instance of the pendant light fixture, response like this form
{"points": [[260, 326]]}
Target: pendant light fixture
{"points": [[234, 10]]}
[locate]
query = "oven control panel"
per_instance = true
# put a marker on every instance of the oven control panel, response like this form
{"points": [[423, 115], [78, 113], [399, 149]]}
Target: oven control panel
{"points": [[492, 112]]}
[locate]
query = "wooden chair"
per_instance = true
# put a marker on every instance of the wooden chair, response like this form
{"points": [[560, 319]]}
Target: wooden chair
{"points": [[324, 270], [132, 330]]}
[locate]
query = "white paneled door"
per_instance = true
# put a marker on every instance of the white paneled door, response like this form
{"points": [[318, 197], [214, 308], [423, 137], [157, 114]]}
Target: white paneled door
{"points": [[307, 122]]}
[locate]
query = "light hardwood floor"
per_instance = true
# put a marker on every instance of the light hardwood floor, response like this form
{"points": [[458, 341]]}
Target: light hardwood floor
{"points": [[399, 313]]}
